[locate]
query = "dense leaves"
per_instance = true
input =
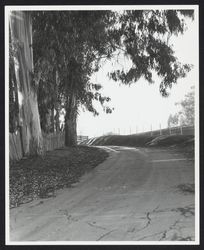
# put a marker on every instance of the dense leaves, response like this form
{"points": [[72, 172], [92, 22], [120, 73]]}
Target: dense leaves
{"points": [[76, 42], [72, 46], [145, 41]]}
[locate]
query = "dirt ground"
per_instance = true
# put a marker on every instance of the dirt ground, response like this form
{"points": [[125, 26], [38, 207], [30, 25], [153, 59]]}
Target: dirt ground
{"points": [[134, 195]]}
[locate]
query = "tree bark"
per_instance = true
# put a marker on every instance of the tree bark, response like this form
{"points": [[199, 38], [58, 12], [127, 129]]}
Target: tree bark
{"points": [[57, 107], [70, 121], [13, 99], [21, 33], [57, 121], [52, 119]]}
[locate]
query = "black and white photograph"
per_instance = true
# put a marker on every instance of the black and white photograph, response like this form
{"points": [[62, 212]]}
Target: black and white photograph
{"points": [[102, 124]]}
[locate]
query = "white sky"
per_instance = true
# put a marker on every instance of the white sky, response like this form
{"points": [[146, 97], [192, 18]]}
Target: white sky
{"points": [[141, 106]]}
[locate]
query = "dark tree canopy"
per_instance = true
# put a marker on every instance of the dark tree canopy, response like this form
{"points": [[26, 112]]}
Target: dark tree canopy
{"points": [[73, 43], [145, 40]]}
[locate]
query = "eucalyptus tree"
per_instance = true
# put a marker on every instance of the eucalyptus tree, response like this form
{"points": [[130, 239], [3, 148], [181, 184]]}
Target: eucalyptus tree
{"points": [[73, 46], [13, 91], [25, 82], [144, 37], [78, 40]]}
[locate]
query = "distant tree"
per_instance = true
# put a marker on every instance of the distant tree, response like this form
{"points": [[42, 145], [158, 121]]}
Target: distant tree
{"points": [[173, 120], [186, 114]]}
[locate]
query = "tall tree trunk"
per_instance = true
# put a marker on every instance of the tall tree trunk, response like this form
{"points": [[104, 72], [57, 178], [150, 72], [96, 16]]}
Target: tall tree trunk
{"points": [[57, 105], [52, 119], [13, 99], [57, 120], [21, 33], [70, 121]]}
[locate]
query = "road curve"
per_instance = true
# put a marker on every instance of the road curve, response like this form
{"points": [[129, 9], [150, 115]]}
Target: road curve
{"points": [[135, 195]]}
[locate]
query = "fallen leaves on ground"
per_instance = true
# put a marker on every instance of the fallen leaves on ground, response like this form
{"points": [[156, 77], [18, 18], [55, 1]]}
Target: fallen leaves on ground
{"points": [[38, 177]]}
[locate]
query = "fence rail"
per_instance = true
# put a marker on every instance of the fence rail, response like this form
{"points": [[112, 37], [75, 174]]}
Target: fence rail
{"points": [[179, 130]]}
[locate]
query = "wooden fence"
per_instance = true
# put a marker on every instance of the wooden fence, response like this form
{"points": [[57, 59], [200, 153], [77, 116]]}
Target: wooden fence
{"points": [[50, 142], [179, 130], [15, 148], [53, 141], [82, 138]]}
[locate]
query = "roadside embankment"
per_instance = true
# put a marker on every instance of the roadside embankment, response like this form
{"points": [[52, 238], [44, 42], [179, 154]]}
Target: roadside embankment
{"points": [[182, 143], [38, 177]]}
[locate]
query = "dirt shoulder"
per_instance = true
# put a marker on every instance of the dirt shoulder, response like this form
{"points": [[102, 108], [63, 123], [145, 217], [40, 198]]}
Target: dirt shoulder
{"points": [[38, 177]]}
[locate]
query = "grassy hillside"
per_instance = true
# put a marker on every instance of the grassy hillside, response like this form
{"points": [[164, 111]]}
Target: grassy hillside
{"points": [[141, 140]]}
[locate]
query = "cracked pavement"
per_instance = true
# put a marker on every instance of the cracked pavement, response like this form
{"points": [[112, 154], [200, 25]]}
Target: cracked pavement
{"points": [[129, 197]]}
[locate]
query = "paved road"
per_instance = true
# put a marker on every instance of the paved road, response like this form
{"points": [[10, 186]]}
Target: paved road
{"points": [[135, 195]]}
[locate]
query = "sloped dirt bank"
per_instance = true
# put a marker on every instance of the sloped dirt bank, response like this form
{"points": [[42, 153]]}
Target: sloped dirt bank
{"points": [[34, 178]]}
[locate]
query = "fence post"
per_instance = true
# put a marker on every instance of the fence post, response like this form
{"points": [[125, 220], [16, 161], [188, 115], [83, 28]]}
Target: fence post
{"points": [[170, 130], [160, 129], [151, 130], [181, 129]]}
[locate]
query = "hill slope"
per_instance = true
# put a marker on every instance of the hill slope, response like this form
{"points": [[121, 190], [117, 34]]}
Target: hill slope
{"points": [[140, 140]]}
